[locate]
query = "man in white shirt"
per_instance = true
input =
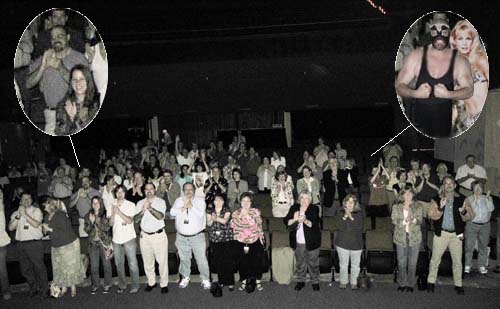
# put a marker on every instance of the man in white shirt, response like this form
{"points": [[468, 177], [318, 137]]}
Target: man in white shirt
{"points": [[124, 242], [150, 212], [468, 173], [27, 222], [190, 221]]}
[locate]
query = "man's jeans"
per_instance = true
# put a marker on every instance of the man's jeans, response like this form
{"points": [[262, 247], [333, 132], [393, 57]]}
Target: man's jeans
{"points": [[120, 251], [187, 246]]}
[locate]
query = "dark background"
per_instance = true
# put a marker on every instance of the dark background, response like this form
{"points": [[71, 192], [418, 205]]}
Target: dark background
{"points": [[203, 66]]}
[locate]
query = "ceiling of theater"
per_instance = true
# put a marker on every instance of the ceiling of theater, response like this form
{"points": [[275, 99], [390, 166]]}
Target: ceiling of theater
{"points": [[229, 55]]}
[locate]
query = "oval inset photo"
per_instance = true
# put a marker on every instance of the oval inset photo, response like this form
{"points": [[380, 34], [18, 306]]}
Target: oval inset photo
{"points": [[60, 72], [442, 75]]}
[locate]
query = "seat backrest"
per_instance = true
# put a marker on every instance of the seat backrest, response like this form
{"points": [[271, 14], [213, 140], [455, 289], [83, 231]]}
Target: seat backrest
{"points": [[379, 240], [276, 224], [329, 224], [326, 240], [383, 224], [171, 242], [280, 239], [170, 226]]}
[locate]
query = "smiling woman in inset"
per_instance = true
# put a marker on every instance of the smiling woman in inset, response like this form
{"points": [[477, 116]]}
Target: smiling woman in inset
{"points": [[81, 105], [465, 39]]}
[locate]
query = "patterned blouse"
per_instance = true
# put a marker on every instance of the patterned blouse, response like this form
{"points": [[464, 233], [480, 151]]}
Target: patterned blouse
{"points": [[99, 230], [219, 232], [215, 189], [248, 229]]}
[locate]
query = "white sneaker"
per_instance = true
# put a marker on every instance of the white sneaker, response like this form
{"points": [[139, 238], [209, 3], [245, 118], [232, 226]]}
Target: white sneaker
{"points": [[483, 270], [184, 283], [206, 284], [467, 270]]}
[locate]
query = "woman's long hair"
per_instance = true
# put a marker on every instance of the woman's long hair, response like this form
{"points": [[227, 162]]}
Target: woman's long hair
{"points": [[477, 55], [101, 213], [354, 198], [90, 93]]}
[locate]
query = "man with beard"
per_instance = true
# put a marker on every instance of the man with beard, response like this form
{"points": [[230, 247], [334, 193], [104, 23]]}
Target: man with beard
{"points": [[51, 73], [441, 76]]}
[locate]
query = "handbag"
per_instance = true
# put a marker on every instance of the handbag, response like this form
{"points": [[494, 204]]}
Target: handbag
{"points": [[216, 289]]}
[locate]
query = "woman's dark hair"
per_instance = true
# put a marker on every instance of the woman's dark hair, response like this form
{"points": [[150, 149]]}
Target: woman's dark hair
{"points": [[101, 212], [306, 167], [120, 187], [236, 170], [90, 95], [182, 170], [107, 178], [247, 194], [278, 174], [399, 173]]}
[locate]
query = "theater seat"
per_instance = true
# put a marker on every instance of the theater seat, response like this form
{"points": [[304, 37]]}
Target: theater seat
{"points": [[329, 224], [326, 253], [170, 226], [382, 224], [173, 258], [380, 254], [276, 224]]}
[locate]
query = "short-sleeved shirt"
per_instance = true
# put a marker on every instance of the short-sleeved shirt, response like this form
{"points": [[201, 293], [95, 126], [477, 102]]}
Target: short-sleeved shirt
{"points": [[52, 84], [24, 230], [123, 232], [463, 170], [219, 232], [149, 223]]}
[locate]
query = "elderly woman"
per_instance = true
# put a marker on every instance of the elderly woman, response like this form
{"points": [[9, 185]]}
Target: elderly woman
{"points": [[309, 183], [277, 160], [442, 172], [235, 187], [66, 266], [246, 223], [265, 174], [281, 195], [349, 239], [100, 246], [4, 241], [222, 241], [407, 216], [305, 238]]}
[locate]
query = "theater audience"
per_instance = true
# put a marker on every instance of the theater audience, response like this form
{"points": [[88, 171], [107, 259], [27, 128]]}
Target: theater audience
{"points": [[27, 222], [349, 240], [392, 169], [341, 155], [265, 174], [478, 229], [468, 173], [168, 190], [121, 217], [4, 241], [321, 152], [222, 243], [189, 212], [277, 160], [100, 247], [330, 182], [348, 179], [305, 238], [407, 216], [65, 248], [441, 172], [215, 185], [137, 192], [246, 223], [183, 177]]}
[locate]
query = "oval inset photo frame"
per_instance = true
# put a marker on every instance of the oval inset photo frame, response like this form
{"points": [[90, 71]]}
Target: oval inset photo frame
{"points": [[61, 71], [442, 75]]}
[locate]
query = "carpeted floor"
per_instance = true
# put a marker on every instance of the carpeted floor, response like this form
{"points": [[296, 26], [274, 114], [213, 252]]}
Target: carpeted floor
{"points": [[381, 295]]}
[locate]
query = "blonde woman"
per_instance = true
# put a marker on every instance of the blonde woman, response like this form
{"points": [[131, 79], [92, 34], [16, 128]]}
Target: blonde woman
{"points": [[407, 216], [465, 39], [65, 251]]}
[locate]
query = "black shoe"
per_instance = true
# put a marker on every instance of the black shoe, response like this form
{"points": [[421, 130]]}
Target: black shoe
{"points": [[315, 287], [299, 286], [409, 289], [231, 288], [497, 270], [94, 290], [149, 288], [401, 288], [430, 287], [106, 290], [164, 290], [460, 290]]}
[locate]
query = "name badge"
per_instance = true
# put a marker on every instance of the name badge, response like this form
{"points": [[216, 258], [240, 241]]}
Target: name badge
{"points": [[186, 221], [26, 227], [246, 249]]}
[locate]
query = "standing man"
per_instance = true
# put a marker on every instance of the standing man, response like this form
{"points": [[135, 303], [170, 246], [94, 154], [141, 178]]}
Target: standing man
{"points": [[150, 212], [469, 173], [169, 190], [51, 71], [27, 222], [448, 214], [190, 221], [442, 76]]}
